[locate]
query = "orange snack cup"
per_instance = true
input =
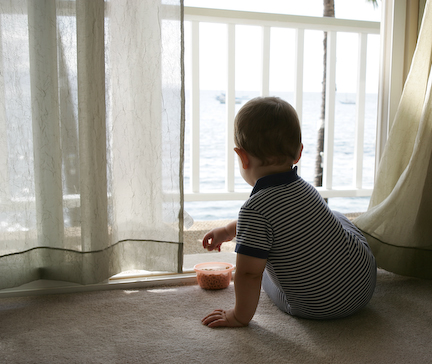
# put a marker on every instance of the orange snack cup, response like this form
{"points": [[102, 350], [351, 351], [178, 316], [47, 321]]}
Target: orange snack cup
{"points": [[214, 275]]}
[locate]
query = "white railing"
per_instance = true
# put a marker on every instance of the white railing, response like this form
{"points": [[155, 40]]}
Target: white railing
{"points": [[300, 24]]}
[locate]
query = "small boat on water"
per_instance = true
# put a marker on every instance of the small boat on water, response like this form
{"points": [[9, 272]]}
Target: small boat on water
{"points": [[347, 102], [221, 98]]}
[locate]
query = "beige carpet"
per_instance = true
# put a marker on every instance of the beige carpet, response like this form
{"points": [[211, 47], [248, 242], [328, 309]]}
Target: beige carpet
{"points": [[162, 325]]}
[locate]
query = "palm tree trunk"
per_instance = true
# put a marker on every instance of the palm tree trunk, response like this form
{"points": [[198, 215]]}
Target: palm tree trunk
{"points": [[330, 12]]}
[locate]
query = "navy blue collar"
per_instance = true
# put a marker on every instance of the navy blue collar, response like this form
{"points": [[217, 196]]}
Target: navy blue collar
{"points": [[273, 180]]}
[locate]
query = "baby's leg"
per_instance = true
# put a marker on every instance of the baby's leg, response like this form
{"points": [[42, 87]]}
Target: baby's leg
{"points": [[274, 292]]}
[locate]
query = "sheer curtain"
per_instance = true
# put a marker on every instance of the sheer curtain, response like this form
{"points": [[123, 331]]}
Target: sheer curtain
{"points": [[398, 223], [91, 139]]}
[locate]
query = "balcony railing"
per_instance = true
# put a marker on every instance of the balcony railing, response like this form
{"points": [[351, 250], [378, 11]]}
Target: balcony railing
{"points": [[267, 22]]}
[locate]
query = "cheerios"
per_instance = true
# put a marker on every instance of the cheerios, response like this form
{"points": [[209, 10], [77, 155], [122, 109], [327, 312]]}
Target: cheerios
{"points": [[214, 281], [214, 275]]}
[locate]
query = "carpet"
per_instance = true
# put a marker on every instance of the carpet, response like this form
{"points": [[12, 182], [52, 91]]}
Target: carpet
{"points": [[162, 325]]}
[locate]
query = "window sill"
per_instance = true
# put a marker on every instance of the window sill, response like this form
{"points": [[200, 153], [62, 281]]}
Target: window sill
{"points": [[126, 280]]}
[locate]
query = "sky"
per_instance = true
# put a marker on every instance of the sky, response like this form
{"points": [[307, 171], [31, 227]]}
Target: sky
{"points": [[248, 47]]}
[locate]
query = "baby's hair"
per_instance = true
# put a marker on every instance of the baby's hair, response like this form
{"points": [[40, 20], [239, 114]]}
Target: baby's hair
{"points": [[268, 128]]}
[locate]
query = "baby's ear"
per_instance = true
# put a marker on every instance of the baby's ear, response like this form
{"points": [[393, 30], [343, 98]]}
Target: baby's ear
{"points": [[243, 157], [299, 155]]}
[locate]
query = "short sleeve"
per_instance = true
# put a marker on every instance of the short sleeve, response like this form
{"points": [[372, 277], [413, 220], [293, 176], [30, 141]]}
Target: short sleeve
{"points": [[254, 234]]}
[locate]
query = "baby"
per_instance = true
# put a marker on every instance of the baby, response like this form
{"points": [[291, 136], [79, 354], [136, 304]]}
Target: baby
{"points": [[312, 262]]}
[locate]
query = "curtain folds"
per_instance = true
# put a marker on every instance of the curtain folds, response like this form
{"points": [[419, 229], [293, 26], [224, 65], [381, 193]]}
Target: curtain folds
{"points": [[398, 222], [91, 139]]}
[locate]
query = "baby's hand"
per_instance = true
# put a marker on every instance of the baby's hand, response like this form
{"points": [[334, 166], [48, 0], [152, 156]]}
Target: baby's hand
{"points": [[214, 238], [220, 318]]}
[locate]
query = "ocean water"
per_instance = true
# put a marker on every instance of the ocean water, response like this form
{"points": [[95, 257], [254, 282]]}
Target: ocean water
{"points": [[212, 156], [212, 150]]}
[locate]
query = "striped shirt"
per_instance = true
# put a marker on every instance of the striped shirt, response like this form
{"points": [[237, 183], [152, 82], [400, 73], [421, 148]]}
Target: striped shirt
{"points": [[324, 269]]}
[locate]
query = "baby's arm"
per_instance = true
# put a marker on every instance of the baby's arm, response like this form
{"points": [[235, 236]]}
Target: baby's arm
{"points": [[219, 235], [247, 285]]}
